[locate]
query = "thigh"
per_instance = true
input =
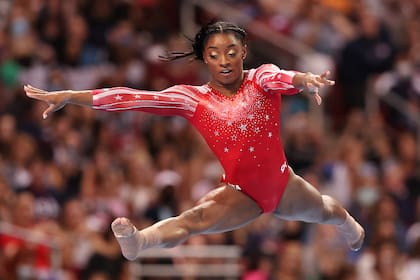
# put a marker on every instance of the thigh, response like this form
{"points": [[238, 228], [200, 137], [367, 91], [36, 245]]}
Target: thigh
{"points": [[300, 201], [223, 209]]}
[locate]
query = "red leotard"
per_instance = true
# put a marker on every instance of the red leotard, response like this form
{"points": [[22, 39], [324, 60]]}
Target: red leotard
{"points": [[243, 131]]}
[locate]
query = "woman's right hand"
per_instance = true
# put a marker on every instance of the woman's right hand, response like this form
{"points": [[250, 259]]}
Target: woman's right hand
{"points": [[55, 99]]}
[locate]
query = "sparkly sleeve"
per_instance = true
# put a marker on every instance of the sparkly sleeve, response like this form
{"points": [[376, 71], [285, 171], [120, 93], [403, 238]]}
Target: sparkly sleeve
{"points": [[274, 80], [174, 101]]}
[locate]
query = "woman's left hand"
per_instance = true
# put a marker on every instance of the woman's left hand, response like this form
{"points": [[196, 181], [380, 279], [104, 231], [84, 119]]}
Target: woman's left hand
{"points": [[313, 83]]}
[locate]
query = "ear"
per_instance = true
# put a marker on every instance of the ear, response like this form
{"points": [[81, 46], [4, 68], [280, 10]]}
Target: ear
{"points": [[244, 52]]}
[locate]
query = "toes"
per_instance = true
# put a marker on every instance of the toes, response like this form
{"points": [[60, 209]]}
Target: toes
{"points": [[358, 244], [122, 227]]}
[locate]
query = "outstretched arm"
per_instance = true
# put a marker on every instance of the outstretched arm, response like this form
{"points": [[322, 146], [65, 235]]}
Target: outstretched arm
{"points": [[176, 100], [58, 99], [273, 79]]}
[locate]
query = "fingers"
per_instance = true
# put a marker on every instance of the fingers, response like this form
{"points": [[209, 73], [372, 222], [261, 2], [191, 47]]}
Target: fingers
{"points": [[37, 96], [35, 93], [315, 92], [313, 87], [49, 110], [314, 83], [54, 100], [52, 108], [318, 98], [325, 74], [323, 78], [318, 81], [31, 89], [34, 89]]}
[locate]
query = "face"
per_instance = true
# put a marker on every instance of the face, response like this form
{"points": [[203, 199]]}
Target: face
{"points": [[224, 54]]}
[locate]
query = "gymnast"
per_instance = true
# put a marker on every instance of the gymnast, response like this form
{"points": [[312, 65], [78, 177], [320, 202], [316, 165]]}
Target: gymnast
{"points": [[238, 114]]}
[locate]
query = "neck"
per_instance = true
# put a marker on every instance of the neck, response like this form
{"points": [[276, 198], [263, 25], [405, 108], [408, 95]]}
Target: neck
{"points": [[227, 89]]}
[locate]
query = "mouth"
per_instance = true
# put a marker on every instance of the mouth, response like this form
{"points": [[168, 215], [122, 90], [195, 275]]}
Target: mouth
{"points": [[226, 71]]}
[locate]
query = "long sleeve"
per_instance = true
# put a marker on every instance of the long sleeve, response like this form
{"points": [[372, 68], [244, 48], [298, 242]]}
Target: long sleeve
{"points": [[274, 80], [174, 101]]}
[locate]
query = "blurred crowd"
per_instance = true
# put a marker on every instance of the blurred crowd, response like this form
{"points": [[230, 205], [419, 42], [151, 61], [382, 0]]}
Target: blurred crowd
{"points": [[66, 178]]}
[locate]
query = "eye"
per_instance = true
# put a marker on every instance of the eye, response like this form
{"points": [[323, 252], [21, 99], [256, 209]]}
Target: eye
{"points": [[232, 53], [213, 56]]}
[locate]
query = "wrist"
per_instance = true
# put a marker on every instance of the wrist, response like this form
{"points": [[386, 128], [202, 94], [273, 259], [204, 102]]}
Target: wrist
{"points": [[83, 97], [68, 96], [299, 80]]}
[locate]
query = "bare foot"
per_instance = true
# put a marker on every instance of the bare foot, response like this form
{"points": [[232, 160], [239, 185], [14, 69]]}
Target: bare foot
{"points": [[355, 243], [128, 237], [122, 227]]}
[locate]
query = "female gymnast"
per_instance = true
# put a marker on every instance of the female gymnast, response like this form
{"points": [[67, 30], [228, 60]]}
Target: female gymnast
{"points": [[238, 114]]}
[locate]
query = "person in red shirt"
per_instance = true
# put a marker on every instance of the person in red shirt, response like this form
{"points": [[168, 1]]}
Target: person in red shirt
{"points": [[238, 114]]}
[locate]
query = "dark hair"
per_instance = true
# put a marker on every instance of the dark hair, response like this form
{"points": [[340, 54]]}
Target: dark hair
{"points": [[201, 37]]}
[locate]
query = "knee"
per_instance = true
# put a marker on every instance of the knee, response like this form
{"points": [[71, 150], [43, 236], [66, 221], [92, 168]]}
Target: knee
{"points": [[192, 221], [181, 227], [329, 204], [331, 207]]}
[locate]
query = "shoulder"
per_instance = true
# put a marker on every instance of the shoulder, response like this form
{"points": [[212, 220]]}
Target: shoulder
{"points": [[268, 68], [271, 77], [263, 70], [188, 90]]}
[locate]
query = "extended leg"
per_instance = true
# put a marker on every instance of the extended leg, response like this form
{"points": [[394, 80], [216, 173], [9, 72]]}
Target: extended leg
{"points": [[302, 201], [221, 210]]}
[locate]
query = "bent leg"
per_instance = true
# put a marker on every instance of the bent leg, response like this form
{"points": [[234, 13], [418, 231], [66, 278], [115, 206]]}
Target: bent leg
{"points": [[221, 210], [302, 202]]}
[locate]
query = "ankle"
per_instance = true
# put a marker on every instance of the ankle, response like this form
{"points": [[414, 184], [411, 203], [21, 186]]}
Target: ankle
{"points": [[130, 245], [151, 237]]}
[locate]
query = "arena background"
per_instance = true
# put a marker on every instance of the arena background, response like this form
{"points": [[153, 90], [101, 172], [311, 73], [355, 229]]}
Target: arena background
{"points": [[63, 180]]}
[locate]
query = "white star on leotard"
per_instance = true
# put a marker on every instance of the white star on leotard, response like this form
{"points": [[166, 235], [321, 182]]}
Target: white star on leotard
{"points": [[229, 123], [137, 96], [118, 97], [155, 97], [267, 117], [270, 134], [226, 149], [216, 133], [251, 149], [242, 127], [234, 137]]}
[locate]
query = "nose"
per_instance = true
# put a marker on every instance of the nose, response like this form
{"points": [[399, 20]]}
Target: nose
{"points": [[224, 60]]}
